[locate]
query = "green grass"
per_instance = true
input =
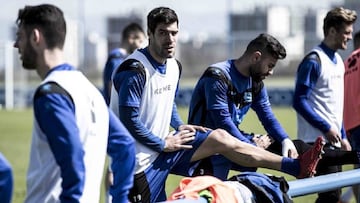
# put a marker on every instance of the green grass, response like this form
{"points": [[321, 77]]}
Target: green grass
{"points": [[15, 131], [16, 126]]}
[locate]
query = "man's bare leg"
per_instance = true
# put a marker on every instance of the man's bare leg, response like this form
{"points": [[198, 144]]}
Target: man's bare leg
{"points": [[221, 142]]}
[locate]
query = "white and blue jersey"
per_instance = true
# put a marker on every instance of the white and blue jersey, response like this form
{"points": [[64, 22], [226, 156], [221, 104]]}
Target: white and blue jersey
{"points": [[6, 180], [152, 95], [73, 129], [319, 94], [143, 96]]}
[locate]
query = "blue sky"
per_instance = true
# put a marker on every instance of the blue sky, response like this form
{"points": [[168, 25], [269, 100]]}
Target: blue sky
{"points": [[196, 16]]}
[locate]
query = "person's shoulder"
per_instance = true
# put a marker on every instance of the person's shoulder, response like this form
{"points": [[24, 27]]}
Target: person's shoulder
{"points": [[50, 88], [312, 55], [355, 53], [132, 66], [353, 59], [311, 59], [118, 53]]}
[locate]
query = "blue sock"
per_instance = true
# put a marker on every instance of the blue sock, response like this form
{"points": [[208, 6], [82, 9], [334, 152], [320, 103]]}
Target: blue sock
{"points": [[290, 166]]}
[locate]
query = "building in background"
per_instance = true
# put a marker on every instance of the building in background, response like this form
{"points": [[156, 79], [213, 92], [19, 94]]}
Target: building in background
{"points": [[299, 29]]}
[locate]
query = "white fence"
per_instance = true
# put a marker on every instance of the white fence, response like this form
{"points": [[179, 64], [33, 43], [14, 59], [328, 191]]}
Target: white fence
{"points": [[7, 64]]}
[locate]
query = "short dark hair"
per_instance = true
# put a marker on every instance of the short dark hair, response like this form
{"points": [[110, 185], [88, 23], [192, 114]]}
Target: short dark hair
{"points": [[47, 18], [337, 17], [132, 27], [266, 43], [161, 15]]}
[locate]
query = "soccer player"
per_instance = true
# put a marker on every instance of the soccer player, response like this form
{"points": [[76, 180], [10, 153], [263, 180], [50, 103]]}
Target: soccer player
{"points": [[319, 90], [132, 37], [6, 180], [228, 89], [73, 127], [225, 93], [143, 93]]}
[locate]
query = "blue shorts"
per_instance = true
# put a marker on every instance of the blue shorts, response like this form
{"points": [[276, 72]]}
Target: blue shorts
{"points": [[150, 184]]}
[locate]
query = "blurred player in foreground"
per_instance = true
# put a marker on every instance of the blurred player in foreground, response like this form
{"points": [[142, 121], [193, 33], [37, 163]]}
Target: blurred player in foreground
{"points": [[73, 127]]}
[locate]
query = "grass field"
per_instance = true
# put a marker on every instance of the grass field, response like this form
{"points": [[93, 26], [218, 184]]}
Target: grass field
{"points": [[16, 129]]}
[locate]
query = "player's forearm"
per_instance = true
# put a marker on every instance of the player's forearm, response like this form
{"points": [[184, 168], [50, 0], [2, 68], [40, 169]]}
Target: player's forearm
{"points": [[175, 118], [265, 114], [303, 108], [129, 116]]}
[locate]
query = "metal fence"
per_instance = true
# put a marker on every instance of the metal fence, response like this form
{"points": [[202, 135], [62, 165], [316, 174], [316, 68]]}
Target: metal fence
{"points": [[313, 185]]}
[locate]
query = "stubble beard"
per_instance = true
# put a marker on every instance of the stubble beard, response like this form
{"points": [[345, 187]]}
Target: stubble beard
{"points": [[29, 58]]}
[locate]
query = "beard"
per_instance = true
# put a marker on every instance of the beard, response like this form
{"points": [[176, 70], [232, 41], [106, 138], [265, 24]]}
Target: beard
{"points": [[256, 76], [162, 51], [29, 58]]}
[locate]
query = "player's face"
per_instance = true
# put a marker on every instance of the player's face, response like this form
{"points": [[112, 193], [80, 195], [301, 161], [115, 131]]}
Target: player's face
{"points": [[135, 40], [262, 68], [162, 42], [26, 51], [343, 36]]}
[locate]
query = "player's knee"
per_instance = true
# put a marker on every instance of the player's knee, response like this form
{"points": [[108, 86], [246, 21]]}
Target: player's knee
{"points": [[220, 134], [222, 138]]}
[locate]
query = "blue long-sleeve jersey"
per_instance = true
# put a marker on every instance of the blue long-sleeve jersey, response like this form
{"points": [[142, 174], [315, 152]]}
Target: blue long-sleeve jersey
{"points": [[212, 107], [115, 58]]}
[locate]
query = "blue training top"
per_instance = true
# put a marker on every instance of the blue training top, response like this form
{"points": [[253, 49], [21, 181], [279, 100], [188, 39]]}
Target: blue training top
{"points": [[115, 58], [211, 101]]}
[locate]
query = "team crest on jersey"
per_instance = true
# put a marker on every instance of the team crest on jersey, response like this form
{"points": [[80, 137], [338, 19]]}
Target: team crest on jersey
{"points": [[242, 99], [248, 97]]}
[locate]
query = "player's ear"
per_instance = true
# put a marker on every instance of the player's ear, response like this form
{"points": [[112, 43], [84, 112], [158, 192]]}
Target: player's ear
{"points": [[332, 30], [36, 35], [256, 56]]}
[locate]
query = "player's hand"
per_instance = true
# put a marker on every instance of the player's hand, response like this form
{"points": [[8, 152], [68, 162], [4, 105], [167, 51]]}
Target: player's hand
{"points": [[289, 149], [262, 141], [345, 145], [177, 140], [109, 180], [193, 128], [333, 137]]}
